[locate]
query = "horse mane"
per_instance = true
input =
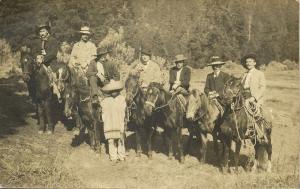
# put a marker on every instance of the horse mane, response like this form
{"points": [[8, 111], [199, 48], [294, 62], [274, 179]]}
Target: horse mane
{"points": [[131, 77]]}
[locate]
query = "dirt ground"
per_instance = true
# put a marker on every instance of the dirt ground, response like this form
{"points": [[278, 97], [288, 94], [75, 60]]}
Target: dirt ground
{"points": [[31, 160]]}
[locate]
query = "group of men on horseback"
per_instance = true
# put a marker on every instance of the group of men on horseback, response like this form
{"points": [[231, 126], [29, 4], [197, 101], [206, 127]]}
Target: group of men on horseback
{"points": [[93, 69]]}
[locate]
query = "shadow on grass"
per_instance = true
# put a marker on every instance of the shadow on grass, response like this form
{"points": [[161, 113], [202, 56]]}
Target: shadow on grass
{"points": [[14, 106]]}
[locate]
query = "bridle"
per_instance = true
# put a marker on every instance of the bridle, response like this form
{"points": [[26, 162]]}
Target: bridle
{"points": [[153, 104]]}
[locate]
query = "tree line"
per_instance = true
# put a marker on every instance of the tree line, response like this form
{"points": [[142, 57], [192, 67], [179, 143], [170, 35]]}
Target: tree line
{"points": [[198, 28]]}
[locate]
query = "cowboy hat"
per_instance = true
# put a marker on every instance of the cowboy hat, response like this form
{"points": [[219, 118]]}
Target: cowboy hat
{"points": [[112, 86], [215, 60], [252, 56], [146, 51], [179, 58], [101, 52], [85, 30], [41, 25]]}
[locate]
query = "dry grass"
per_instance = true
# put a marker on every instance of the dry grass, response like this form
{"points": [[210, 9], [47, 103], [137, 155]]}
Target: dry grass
{"points": [[28, 159]]}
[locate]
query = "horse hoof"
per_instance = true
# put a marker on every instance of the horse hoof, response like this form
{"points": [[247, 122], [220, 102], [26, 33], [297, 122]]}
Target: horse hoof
{"points": [[182, 160], [269, 167], [138, 154], [150, 156]]}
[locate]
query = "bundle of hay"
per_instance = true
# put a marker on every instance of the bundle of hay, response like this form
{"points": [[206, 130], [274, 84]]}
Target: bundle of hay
{"points": [[276, 66]]}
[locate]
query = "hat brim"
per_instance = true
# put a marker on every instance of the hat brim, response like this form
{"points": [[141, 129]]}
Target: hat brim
{"points": [[180, 60], [216, 63], [112, 87], [85, 32], [38, 28]]}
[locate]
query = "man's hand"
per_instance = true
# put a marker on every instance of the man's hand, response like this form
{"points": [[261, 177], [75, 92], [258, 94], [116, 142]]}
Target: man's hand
{"points": [[101, 77], [39, 59]]}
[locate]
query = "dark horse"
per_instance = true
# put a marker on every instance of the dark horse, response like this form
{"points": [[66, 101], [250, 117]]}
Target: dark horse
{"points": [[166, 109], [78, 104], [135, 99], [236, 126], [203, 117]]}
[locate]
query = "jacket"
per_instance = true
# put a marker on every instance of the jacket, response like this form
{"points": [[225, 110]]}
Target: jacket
{"points": [[257, 85], [185, 77], [216, 83], [51, 48], [110, 72]]}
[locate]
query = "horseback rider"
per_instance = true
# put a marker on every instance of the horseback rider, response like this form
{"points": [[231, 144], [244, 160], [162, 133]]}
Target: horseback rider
{"points": [[83, 52], [99, 73], [253, 82], [147, 70], [216, 80], [45, 45], [180, 76]]}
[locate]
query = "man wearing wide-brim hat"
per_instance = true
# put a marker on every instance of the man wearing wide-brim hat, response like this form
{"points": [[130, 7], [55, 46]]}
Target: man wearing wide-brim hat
{"points": [[253, 81], [83, 52], [215, 81], [45, 45], [147, 70], [180, 75], [100, 71]]}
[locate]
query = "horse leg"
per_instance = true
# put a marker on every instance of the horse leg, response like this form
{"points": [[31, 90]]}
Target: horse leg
{"points": [[216, 146], [41, 117], [168, 136], [149, 141], [188, 143], [237, 155], [226, 155], [255, 163], [97, 137], [179, 145], [269, 152], [138, 141], [49, 115], [203, 148]]}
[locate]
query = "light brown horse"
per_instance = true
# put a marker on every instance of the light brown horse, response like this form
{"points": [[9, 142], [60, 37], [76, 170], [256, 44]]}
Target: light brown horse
{"points": [[203, 117]]}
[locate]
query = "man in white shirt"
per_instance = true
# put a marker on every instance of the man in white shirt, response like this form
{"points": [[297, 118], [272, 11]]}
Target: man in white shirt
{"points": [[147, 70], [83, 52]]}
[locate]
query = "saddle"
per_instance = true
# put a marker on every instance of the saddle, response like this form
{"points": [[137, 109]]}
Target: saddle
{"points": [[257, 124], [182, 96]]}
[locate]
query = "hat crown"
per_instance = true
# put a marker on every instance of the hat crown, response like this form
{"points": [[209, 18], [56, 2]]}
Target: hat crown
{"points": [[85, 28], [180, 57]]}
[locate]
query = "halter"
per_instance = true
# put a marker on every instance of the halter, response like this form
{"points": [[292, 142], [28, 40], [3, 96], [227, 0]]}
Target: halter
{"points": [[159, 107]]}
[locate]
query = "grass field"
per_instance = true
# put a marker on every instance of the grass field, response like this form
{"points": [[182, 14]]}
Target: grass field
{"points": [[31, 160]]}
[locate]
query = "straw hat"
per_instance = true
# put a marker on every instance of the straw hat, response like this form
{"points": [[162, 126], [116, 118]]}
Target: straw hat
{"points": [[113, 86], [215, 60], [180, 58], [85, 30]]}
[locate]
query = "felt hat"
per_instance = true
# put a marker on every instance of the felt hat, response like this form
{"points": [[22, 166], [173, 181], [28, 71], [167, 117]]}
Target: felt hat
{"points": [[45, 24], [252, 56]]}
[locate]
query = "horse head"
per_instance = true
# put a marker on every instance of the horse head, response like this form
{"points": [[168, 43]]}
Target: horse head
{"points": [[70, 100], [155, 96], [27, 68], [132, 88], [232, 89], [201, 108], [63, 77]]}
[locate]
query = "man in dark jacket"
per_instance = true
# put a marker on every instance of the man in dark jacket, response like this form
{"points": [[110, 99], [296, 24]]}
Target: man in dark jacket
{"points": [[100, 71], [180, 75], [46, 45], [216, 80]]}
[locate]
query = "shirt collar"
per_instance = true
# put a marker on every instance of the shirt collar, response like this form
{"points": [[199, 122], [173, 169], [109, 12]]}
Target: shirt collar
{"points": [[217, 74]]}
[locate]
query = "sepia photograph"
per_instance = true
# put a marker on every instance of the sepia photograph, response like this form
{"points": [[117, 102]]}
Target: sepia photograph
{"points": [[142, 94]]}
